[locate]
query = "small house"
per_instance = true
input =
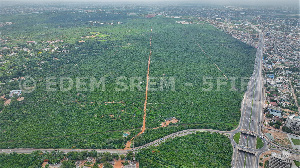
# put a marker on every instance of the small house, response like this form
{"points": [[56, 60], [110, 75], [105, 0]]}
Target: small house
{"points": [[15, 92], [275, 112]]}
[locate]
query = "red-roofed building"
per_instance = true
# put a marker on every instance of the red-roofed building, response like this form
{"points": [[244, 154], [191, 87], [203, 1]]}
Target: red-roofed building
{"points": [[274, 104], [150, 15], [31, 42]]}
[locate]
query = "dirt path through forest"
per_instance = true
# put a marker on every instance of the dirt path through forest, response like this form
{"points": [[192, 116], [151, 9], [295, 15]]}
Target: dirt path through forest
{"points": [[146, 98]]}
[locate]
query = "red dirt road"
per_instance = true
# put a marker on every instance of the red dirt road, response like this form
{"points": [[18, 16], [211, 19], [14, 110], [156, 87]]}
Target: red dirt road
{"points": [[146, 98]]}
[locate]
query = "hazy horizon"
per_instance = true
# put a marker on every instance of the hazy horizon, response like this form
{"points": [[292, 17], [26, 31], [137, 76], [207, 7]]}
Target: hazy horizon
{"points": [[294, 3]]}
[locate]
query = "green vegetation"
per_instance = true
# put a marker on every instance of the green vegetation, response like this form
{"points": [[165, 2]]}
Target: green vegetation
{"points": [[286, 129], [276, 124], [36, 158], [98, 116], [296, 141], [67, 164], [259, 143], [196, 150], [269, 115], [21, 160], [297, 163], [266, 164], [236, 137]]}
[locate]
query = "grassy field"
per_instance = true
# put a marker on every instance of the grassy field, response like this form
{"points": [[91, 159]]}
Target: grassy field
{"points": [[259, 143], [236, 137], [297, 163], [296, 141]]}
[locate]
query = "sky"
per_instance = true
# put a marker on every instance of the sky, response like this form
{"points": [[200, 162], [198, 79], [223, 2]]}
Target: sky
{"points": [[215, 2]]}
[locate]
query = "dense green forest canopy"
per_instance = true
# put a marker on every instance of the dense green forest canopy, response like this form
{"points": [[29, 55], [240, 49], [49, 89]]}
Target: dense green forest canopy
{"points": [[195, 150], [103, 46]]}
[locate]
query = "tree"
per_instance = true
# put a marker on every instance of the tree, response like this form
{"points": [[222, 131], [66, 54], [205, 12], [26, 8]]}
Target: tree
{"points": [[125, 163], [107, 165], [68, 164], [95, 165], [92, 153], [129, 155], [115, 156], [287, 129], [269, 115]]}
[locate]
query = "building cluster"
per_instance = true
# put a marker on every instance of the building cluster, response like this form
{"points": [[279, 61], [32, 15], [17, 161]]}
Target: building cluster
{"points": [[293, 122], [91, 162], [281, 69], [242, 30], [281, 60], [5, 23], [280, 160]]}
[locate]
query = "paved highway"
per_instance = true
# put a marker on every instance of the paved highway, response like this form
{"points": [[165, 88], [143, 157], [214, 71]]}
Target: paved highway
{"points": [[251, 113]]}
